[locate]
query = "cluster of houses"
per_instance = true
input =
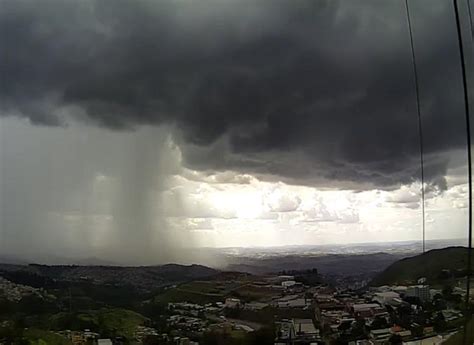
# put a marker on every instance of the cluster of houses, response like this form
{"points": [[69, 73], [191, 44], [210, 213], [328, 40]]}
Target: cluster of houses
{"points": [[15, 292], [297, 331], [375, 316], [278, 292], [194, 319], [371, 317], [82, 337], [172, 340], [187, 323], [89, 337]]}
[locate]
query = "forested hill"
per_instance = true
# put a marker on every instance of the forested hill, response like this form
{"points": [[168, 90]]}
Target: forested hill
{"points": [[141, 277], [435, 265]]}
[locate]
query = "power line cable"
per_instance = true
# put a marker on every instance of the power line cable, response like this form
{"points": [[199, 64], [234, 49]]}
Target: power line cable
{"points": [[466, 30], [420, 129]]}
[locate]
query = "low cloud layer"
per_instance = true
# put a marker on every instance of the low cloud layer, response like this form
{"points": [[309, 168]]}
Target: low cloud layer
{"points": [[310, 92]]}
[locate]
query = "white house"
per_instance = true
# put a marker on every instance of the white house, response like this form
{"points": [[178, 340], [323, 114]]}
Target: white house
{"points": [[232, 303]]}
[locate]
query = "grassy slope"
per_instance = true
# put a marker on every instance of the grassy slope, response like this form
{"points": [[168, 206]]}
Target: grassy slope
{"points": [[177, 295], [428, 265], [121, 322], [200, 292], [121, 319], [40, 337]]}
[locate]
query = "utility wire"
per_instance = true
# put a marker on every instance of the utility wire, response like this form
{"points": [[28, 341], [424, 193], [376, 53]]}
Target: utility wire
{"points": [[465, 39], [467, 109], [420, 130]]}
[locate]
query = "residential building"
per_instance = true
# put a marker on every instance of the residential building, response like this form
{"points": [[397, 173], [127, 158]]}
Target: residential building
{"points": [[288, 283], [367, 309], [420, 291], [386, 297], [104, 342], [380, 336], [232, 303]]}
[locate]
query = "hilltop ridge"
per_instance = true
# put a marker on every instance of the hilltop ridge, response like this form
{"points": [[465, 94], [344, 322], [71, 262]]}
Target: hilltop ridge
{"points": [[431, 265], [140, 277]]}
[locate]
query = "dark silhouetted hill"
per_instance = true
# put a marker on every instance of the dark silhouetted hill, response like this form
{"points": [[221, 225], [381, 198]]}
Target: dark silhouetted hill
{"points": [[141, 277], [435, 265]]}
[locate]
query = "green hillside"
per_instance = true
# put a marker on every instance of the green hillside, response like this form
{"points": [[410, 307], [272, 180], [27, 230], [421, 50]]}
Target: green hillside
{"points": [[106, 321], [430, 265], [41, 337]]}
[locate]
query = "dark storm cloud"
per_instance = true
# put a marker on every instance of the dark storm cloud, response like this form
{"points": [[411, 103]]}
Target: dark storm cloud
{"points": [[309, 91]]}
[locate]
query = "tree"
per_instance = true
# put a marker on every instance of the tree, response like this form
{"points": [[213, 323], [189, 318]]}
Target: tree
{"points": [[417, 330], [395, 339], [344, 326], [413, 300], [358, 329], [444, 274], [263, 336], [439, 322], [152, 340], [439, 303], [379, 322], [447, 291]]}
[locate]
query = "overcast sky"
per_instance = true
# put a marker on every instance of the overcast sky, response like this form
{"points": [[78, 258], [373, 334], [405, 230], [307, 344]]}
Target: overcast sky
{"points": [[136, 129]]}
